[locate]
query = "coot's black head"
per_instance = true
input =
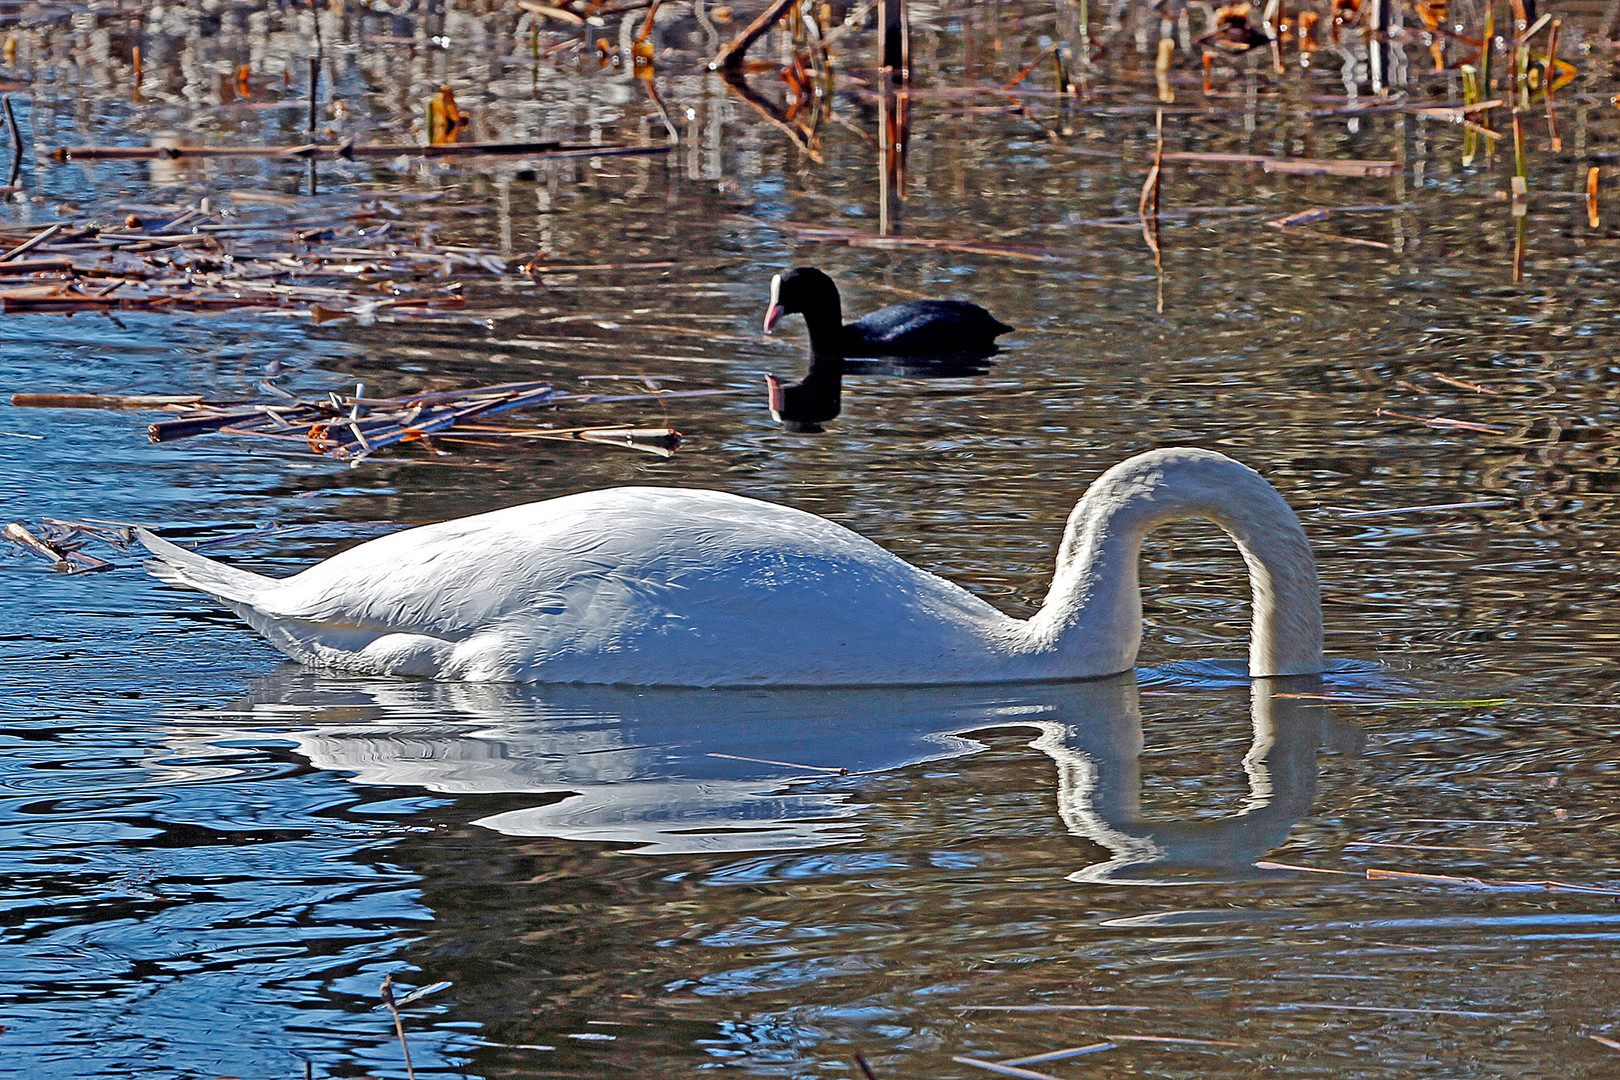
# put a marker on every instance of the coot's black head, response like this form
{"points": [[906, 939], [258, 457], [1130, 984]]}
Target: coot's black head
{"points": [[806, 291]]}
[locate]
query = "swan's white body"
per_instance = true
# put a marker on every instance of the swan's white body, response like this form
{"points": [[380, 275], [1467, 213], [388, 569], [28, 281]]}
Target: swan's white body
{"points": [[677, 587]]}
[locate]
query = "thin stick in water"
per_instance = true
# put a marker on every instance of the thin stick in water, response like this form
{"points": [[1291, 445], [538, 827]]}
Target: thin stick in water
{"points": [[33, 241], [1004, 1070], [1547, 87], [730, 57], [1148, 207], [16, 142], [387, 991]]}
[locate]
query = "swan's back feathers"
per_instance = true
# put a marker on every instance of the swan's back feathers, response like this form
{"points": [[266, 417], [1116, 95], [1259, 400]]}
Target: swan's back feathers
{"points": [[637, 585]]}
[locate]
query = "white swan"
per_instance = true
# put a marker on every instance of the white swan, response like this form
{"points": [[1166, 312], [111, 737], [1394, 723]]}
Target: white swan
{"points": [[678, 587]]}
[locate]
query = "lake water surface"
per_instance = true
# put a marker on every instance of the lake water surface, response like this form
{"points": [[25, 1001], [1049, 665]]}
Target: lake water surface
{"points": [[209, 858]]}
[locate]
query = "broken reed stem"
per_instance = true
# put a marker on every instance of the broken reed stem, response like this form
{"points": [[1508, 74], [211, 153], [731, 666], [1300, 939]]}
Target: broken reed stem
{"points": [[1473, 96], [1547, 87], [1161, 69], [103, 401], [34, 241], [1521, 53], [894, 39], [1487, 38], [1521, 167], [1273, 25], [1521, 236], [349, 151], [1004, 1070], [1031, 66], [1147, 207], [314, 83], [387, 991], [1150, 202], [647, 24], [16, 142], [730, 57]]}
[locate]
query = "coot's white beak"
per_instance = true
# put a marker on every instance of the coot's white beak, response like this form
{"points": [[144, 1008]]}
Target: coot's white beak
{"points": [[775, 310], [773, 388]]}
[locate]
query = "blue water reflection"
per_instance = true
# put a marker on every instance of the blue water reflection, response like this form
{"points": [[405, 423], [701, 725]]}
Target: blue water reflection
{"points": [[231, 869], [682, 771]]}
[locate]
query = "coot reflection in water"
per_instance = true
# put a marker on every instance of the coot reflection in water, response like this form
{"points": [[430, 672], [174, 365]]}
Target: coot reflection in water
{"points": [[807, 405], [672, 771]]}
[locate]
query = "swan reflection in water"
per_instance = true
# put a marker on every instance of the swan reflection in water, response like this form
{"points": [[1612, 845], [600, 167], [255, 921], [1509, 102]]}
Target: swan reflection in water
{"points": [[674, 770]]}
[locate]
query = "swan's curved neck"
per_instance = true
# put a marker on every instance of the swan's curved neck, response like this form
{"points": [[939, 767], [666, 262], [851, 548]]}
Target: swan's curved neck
{"points": [[1095, 602]]}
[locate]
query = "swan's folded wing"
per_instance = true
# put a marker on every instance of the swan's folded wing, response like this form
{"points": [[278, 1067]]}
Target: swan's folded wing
{"points": [[631, 585]]}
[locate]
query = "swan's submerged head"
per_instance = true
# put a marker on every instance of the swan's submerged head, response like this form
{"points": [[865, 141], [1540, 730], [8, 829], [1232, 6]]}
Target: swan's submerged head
{"points": [[802, 289]]}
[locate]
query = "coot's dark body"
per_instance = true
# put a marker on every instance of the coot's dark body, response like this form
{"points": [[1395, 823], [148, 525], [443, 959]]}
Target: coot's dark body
{"points": [[914, 328]]}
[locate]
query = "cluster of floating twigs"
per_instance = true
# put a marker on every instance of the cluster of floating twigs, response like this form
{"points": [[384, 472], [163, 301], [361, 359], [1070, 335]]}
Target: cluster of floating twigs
{"points": [[348, 428], [61, 541], [353, 427], [349, 266]]}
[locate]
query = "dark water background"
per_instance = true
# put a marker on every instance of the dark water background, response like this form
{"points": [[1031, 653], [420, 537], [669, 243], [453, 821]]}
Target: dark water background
{"points": [[210, 859]]}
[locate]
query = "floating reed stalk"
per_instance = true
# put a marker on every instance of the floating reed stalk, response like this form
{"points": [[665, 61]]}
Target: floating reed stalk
{"points": [[1521, 197], [387, 991], [16, 142], [1035, 63], [1487, 39], [730, 58], [894, 39], [1275, 28], [1085, 35], [314, 84], [1378, 46], [1148, 207], [1521, 167], [104, 401], [350, 150], [1472, 95], [1547, 74]]}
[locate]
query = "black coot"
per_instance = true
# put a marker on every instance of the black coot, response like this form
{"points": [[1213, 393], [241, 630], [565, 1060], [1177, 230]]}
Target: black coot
{"points": [[914, 328]]}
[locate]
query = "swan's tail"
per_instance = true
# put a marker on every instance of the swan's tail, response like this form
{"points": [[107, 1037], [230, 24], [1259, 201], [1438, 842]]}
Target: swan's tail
{"points": [[180, 566]]}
